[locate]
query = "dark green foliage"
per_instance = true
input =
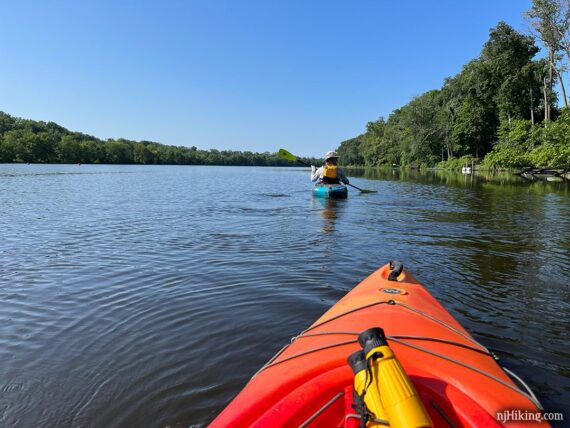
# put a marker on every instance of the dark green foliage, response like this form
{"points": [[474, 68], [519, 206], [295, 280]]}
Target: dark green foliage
{"points": [[490, 103], [349, 151], [456, 163], [23, 140], [473, 132], [68, 150], [521, 144], [506, 157]]}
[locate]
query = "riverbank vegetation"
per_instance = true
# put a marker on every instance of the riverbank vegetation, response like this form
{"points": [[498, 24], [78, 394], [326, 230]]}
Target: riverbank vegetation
{"points": [[23, 140], [501, 109]]}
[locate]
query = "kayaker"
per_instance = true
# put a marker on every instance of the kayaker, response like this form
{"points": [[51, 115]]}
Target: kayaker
{"points": [[330, 172]]}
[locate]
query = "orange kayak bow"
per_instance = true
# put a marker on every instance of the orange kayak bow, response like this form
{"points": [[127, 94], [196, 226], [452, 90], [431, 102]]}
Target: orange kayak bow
{"points": [[310, 384]]}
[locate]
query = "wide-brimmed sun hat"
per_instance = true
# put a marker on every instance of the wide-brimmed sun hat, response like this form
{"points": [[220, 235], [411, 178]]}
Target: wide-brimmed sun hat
{"points": [[331, 155]]}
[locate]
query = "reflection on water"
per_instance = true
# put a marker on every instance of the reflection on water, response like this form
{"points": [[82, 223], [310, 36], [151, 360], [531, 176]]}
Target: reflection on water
{"points": [[464, 180], [148, 295], [329, 208]]}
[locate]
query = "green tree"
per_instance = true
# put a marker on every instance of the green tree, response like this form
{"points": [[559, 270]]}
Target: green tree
{"points": [[119, 152], [18, 144], [420, 119], [92, 151], [7, 148], [141, 154], [472, 133], [371, 146], [349, 151], [69, 150], [7, 123], [508, 55], [551, 22]]}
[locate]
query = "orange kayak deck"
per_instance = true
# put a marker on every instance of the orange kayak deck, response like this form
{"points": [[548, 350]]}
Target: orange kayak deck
{"points": [[309, 383]]}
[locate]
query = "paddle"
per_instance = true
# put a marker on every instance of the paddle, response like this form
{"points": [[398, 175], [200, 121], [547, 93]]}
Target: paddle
{"points": [[362, 190], [291, 157]]}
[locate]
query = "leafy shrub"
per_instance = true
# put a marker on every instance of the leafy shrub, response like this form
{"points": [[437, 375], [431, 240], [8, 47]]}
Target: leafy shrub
{"points": [[551, 155], [515, 134], [456, 163], [558, 132], [506, 157]]}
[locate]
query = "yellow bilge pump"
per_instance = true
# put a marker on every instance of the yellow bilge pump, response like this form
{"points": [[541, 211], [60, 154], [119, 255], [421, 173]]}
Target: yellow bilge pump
{"points": [[384, 393]]}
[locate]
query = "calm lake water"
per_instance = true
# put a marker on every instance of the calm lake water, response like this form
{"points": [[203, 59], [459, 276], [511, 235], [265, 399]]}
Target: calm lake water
{"points": [[149, 295]]}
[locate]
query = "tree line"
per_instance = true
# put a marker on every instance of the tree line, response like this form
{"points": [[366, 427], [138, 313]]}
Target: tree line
{"points": [[24, 140], [501, 109]]}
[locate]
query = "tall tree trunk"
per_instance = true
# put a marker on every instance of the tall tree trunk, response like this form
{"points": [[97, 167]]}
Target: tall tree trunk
{"points": [[561, 86], [551, 60], [546, 104], [449, 150], [531, 106]]}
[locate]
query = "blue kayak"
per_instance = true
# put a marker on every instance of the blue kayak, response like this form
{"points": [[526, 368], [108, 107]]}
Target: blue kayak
{"points": [[330, 191]]}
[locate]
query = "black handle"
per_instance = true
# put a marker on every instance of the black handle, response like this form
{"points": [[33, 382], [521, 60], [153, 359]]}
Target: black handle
{"points": [[396, 268]]}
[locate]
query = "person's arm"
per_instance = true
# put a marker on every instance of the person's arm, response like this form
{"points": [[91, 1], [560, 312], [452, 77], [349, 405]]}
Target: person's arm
{"points": [[315, 173], [342, 177]]}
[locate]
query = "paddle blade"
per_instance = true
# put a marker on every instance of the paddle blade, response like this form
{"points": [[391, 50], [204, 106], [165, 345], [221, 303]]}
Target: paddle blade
{"points": [[362, 190], [286, 155]]}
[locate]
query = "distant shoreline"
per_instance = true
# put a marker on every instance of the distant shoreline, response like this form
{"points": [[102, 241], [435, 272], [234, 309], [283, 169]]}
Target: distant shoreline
{"points": [[141, 164], [30, 141]]}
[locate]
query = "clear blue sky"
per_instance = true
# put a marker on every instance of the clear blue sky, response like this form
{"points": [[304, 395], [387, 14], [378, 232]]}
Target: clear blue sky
{"points": [[244, 75]]}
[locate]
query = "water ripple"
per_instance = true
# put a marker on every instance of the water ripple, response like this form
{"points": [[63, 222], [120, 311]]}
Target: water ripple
{"points": [[132, 295]]}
